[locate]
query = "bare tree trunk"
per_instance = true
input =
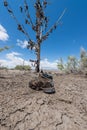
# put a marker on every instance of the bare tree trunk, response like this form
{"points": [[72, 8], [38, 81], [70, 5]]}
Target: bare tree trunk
{"points": [[38, 59], [38, 37]]}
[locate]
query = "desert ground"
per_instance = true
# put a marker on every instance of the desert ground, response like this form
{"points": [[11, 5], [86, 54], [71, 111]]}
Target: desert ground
{"points": [[22, 108]]}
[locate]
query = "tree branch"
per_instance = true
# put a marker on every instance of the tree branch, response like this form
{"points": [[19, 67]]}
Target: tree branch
{"points": [[44, 37], [26, 7], [20, 27]]}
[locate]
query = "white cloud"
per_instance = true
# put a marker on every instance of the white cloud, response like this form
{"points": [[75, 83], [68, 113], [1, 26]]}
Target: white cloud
{"points": [[3, 34], [22, 44], [14, 58], [45, 64], [12, 55]]}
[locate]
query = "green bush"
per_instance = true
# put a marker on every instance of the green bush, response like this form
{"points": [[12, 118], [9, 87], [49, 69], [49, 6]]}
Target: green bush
{"points": [[4, 48], [2, 68], [70, 66], [25, 67], [60, 64]]}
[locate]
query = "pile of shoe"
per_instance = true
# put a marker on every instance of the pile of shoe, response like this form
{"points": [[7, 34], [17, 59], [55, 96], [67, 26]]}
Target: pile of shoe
{"points": [[43, 82]]}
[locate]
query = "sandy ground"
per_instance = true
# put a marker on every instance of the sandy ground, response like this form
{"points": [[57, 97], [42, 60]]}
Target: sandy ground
{"points": [[24, 109]]}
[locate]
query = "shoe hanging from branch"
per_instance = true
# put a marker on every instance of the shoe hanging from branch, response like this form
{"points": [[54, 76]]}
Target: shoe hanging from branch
{"points": [[37, 22]]}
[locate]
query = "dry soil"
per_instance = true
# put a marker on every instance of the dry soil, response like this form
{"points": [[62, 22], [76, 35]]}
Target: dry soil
{"points": [[22, 108]]}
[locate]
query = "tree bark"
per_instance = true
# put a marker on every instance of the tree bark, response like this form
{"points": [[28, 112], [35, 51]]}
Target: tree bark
{"points": [[38, 59], [38, 36]]}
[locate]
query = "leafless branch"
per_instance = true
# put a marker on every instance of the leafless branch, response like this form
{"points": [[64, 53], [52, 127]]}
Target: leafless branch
{"points": [[44, 37]]}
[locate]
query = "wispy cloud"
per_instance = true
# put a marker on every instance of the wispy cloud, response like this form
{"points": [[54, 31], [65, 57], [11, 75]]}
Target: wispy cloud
{"points": [[46, 64], [3, 34], [22, 44], [15, 58]]}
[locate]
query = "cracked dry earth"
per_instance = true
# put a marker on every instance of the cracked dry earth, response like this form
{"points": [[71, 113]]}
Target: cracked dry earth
{"points": [[24, 109]]}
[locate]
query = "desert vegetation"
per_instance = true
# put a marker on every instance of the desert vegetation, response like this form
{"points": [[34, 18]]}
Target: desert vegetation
{"points": [[22, 67], [4, 48], [74, 65]]}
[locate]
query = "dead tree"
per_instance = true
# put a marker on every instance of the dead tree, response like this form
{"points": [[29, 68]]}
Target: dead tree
{"points": [[39, 26]]}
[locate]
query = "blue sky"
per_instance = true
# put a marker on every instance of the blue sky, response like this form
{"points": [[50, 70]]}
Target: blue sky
{"points": [[66, 40]]}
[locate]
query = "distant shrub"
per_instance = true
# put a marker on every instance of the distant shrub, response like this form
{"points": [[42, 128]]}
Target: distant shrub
{"points": [[4, 48], [2, 68], [21, 67], [83, 60], [70, 66], [60, 64]]}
